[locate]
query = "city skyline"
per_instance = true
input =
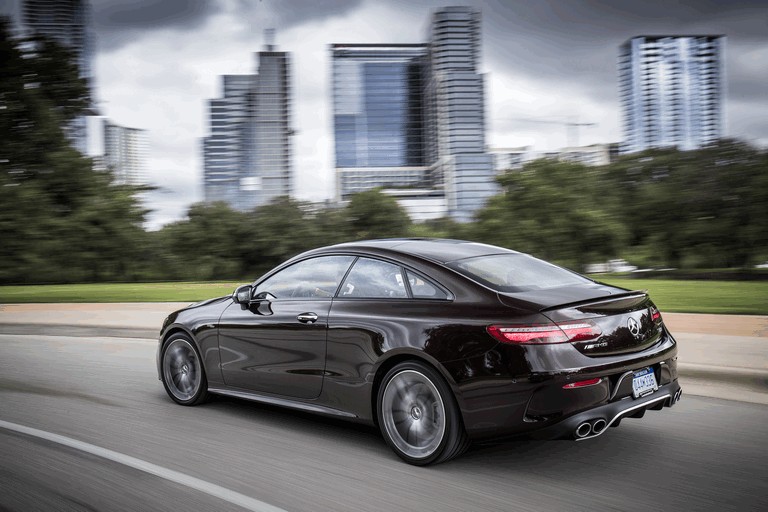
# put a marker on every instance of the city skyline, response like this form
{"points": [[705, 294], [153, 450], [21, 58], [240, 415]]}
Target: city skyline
{"points": [[157, 63]]}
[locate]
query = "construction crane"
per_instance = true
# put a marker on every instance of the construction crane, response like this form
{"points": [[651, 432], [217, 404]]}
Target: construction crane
{"points": [[571, 127]]}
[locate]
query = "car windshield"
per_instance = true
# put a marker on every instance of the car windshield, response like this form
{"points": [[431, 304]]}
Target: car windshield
{"points": [[516, 273]]}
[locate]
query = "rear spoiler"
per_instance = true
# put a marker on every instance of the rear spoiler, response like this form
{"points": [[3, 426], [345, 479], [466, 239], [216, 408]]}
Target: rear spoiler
{"points": [[617, 302]]}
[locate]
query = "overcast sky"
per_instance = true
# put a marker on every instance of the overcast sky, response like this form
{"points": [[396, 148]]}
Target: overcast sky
{"points": [[159, 61]]}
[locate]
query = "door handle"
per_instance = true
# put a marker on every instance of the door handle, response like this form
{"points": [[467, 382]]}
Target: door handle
{"points": [[307, 318]]}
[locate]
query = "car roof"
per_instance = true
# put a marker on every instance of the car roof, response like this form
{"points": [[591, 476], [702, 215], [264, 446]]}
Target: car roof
{"points": [[440, 250]]}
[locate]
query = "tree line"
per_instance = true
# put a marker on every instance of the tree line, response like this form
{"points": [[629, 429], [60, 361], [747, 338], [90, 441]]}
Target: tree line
{"points": [[62, 221]]}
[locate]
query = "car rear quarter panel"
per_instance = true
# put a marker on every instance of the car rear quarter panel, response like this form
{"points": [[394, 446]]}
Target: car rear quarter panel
{"points": [[364, 336]]}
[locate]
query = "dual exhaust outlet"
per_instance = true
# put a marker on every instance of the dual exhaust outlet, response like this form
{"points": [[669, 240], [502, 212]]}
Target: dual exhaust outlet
{"points": [[593, 427]]}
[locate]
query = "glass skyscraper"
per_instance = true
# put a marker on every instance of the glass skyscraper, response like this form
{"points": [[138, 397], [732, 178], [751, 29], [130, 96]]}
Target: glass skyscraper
{"points": [[456, 107], [378, 116], [413, 117], [671, 91], [224, 151], [268, 172], [247, 157]]}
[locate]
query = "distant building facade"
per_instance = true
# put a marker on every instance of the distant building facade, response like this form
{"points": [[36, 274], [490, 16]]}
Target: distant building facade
{"points": [[247, 158], [505, 159], [412, 117], [66, 22], [671, 91], [125, 153], [592, 155]]}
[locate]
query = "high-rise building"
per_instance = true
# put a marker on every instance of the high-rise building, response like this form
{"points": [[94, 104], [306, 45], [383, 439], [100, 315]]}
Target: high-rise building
{"points": [[412, 116], [66, 22], [378, 116], [224, 151], [671, 91], [247, 157], [456, 112], [268, 145], [125, 153]]}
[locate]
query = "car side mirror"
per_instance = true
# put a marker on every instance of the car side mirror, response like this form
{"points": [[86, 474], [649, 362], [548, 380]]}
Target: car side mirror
{"points": [[242, 294]]}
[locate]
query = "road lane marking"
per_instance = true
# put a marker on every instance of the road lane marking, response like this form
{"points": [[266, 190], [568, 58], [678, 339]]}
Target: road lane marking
{"points": [[214, 490]]}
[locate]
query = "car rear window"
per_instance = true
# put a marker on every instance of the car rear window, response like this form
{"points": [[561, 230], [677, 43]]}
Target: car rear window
{"points": [[516, 273]]}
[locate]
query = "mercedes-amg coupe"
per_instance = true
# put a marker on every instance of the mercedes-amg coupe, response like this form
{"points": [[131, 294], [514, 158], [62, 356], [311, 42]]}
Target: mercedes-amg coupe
{"points": [[436, 342]]}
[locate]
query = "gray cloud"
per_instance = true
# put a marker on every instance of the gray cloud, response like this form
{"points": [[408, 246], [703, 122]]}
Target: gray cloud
{"points": [[119, 22], [286, 14]]}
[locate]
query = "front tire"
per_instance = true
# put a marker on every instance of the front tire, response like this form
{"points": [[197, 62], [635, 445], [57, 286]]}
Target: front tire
{"points": [[183, 372], [418, 415]]}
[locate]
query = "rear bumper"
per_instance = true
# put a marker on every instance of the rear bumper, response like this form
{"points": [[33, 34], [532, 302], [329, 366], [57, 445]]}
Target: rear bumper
{"points": [[666, 396], [503, 405]]}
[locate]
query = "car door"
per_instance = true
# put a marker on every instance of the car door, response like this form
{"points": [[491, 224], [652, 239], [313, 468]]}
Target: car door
{"points": [[277, 344]]}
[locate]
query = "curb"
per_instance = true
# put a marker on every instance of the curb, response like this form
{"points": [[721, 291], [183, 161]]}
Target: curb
{"points": [[80, 331], [755, 378]]}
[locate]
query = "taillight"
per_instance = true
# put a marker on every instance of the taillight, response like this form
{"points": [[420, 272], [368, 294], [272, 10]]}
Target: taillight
{"points": [[545, 334], [655, 315]]}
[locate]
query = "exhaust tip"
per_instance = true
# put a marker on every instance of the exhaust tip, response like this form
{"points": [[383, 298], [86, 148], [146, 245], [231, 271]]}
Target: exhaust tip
{"points": [[583, 430], [598, 426]]}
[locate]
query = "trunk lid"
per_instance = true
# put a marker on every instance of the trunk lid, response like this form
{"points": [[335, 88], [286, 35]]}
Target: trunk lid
{"points": [[623, 321]]}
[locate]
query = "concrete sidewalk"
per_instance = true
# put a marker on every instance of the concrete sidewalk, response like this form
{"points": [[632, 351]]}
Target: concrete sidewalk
{"points": [[725, 356]]}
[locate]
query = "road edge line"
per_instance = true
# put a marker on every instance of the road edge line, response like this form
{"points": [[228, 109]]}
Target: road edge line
{"points": [[197, 484]]}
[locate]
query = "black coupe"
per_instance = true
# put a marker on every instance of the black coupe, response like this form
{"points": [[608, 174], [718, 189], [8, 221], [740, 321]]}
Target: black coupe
{"points": [[437, 342]]}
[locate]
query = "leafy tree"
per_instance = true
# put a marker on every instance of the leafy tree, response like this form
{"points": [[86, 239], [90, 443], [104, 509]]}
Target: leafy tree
{"points": [[703, 208], [552, 210], [373, 214], [60, 221], [207, 245], [41, 91]]}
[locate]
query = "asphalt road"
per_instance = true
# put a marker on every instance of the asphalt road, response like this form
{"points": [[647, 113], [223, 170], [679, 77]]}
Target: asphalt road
{"points": [[107, 438]]}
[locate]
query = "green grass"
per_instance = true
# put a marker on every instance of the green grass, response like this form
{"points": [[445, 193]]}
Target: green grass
{"points": [[723, 297], [117, 292]]}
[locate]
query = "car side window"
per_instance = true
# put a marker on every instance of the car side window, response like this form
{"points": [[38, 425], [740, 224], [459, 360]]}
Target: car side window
{"points": [[374, 279], [423, 289], [312, 278]]}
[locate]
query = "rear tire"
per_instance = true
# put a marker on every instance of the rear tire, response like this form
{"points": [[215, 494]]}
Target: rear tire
{"points": [[418, 415], [183, 372]]}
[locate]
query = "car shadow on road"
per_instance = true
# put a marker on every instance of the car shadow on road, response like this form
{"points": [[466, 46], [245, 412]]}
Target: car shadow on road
{"points": [[611, 448]]}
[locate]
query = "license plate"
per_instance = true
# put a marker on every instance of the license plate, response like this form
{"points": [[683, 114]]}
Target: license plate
{"points": [[644, 383]]}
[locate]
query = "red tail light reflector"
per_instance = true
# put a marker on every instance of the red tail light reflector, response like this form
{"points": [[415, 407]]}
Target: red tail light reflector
{"points": [[583, 383], [655, 315], [545, 334]]}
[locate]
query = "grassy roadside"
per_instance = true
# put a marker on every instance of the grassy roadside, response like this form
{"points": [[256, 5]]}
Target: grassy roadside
{"points": [[117, 292], [719, 297]]}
